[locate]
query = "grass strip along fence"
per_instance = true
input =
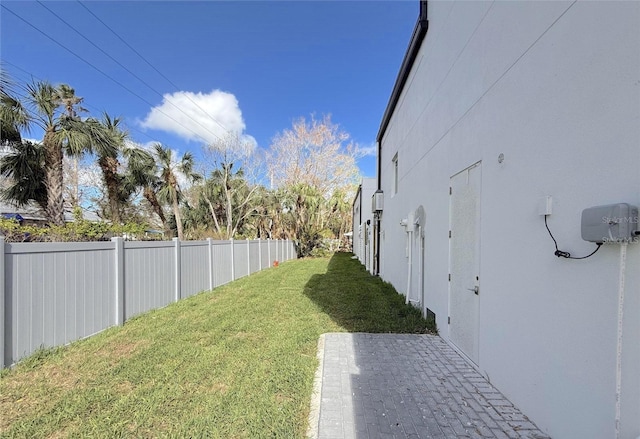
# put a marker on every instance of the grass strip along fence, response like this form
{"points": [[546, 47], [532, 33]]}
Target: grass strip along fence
{"points": [[237, 362]]}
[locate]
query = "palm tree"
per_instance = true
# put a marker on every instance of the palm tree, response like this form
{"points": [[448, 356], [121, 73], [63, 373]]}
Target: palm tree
{"points": [[23, 168], [60, 134], [13, 115], [142, 172], [21, 163], [107, 139], [230, 198], [170, 191]]}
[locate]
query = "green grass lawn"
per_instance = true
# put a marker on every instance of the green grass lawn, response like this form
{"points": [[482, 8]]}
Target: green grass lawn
{"points": [[237, 362]]}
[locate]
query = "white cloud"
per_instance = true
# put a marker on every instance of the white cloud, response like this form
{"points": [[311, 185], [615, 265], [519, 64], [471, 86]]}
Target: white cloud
{"points": [[204, 118], [370, 150]]}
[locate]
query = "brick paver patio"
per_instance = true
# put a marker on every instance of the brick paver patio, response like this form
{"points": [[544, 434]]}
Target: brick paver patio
{"points": [[406, 386]]}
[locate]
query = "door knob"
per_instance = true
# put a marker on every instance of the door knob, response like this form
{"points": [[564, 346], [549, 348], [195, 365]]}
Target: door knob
{"points": [[475, 289]]}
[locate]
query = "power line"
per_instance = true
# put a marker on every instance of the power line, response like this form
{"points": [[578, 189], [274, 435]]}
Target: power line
{"points": [[149, 64], [123, 66], [99, 71], [33, 76]]}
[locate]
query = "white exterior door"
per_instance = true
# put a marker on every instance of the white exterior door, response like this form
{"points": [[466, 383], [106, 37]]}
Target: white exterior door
{"points": [[464, 260]]}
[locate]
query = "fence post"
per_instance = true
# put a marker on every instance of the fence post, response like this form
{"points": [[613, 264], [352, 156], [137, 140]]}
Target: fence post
{"points": [[260, 254], [248, 258], [269, 252], [210, 244], [118, 247], [178, 268], [2, 302], [277, 244], [233, 264]]}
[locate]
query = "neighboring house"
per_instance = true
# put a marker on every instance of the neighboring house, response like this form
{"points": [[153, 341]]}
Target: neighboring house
{"points": [[504, 112], [363, 222], [32, 214]]}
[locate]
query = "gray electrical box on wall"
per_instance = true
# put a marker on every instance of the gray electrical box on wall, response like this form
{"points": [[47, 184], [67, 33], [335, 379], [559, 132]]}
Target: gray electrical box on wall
{"points": [[613, 223]]}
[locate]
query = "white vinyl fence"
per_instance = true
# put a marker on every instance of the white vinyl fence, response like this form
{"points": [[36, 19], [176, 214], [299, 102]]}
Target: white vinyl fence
{"points": [[54, 293]]}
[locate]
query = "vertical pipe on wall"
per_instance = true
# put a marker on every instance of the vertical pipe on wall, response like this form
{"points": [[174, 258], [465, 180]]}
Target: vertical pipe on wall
{"points": [[377, 223], [623, 261], [118, 245], [410, 264], [421, 266]]}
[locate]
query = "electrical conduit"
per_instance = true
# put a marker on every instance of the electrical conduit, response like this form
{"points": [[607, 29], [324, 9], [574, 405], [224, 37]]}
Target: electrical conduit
{"points": [[623, 260]]}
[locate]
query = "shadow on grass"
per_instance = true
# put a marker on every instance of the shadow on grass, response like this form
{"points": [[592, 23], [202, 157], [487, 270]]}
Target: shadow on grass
{"points": [[360, 302]]}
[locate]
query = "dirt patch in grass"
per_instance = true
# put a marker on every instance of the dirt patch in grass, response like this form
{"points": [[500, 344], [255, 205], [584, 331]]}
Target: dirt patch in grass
{"points": [[121, 350], [220, 388]]}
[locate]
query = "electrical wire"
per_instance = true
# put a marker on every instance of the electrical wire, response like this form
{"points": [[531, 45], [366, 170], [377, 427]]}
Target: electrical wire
{"points": [[563, 254], [33, 76], [125, 67], [100, 71], [149, 64]]}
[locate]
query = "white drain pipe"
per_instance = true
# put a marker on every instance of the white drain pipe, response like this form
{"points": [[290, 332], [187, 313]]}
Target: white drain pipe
{"points": [[421, 263], [623, 261], [410, 224], [410, 264]]}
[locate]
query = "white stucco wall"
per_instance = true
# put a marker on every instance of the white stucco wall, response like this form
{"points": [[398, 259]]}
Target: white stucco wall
{"points": [[555, 87], [361, 214]]}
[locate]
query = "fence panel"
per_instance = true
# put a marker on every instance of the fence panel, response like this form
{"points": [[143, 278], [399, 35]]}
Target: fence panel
{"points": [[150, 276], [56, 293], [264, 255], [222, 272], [240, 259], [254, 256], [194, 263]]}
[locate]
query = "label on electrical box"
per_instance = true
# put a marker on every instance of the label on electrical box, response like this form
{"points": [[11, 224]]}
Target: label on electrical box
{"points": [[613, 223]]}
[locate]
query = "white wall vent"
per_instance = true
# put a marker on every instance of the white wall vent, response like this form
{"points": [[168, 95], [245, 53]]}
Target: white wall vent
{"points": [[377, 201]]}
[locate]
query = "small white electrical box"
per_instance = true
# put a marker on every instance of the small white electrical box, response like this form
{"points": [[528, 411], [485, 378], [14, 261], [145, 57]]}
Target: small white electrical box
{"points": [[411, 222], [377, 201], [613, 223], [544, 205]]}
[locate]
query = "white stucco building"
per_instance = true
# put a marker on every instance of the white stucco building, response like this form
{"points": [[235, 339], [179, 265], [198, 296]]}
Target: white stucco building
{"points": [[363, 222], [504, 112]]}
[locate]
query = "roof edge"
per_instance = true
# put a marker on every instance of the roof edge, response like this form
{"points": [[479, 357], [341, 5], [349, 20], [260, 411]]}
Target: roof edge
{"points": [[419, 32]]}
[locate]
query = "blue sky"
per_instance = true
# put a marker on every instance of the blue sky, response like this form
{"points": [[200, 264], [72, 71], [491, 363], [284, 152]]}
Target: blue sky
{"points": [[254, 66]]}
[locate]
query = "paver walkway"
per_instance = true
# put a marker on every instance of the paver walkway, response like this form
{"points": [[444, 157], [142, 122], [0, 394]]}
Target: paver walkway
{"points": [[406, 386]]}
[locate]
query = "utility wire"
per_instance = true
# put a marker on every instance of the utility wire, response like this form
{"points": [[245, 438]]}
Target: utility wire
{"points": [[563, 254], [33, 76], [100, 71], [149, 64], [123, 66]]}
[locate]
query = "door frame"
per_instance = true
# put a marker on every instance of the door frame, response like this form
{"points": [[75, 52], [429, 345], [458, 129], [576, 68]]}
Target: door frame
{"points": [[471, 356]]}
